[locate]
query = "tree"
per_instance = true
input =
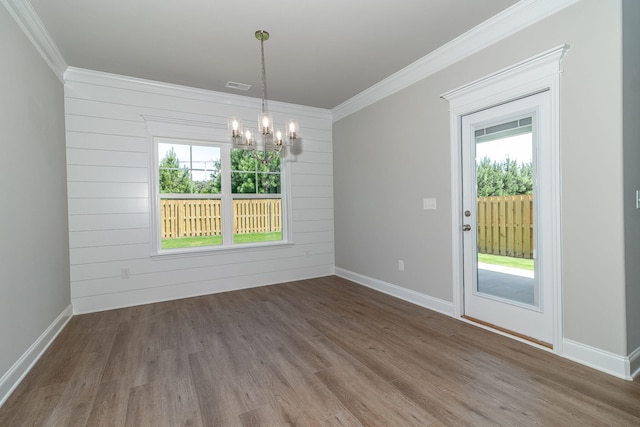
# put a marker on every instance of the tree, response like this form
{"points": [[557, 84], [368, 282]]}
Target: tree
{"points": [[526, 178], [488, 178], [506, 178], [173, 179], [205, 187]]}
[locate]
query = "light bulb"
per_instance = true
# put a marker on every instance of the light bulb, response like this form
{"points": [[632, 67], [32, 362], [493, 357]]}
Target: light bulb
{"points": [[235, 126], [248, 137], [292, 129]]}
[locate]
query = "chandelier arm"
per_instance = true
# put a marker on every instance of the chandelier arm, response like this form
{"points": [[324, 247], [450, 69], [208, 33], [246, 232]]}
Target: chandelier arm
{"points": [[264, 157]]}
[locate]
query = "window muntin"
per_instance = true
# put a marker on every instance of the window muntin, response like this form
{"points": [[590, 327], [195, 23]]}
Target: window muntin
{"points": [[213, 196]]}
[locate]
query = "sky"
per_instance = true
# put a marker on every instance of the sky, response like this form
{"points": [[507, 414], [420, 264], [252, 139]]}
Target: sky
{"points": [[517, 148]]}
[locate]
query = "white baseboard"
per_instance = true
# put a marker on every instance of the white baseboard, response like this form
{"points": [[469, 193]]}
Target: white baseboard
{"points": [[634, 363], [435, 304], [17, 372], [134, 297], [626, 368], [610, 363]]}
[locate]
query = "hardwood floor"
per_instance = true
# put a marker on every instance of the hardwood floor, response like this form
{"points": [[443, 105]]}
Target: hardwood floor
{"points": [[322, 352]]}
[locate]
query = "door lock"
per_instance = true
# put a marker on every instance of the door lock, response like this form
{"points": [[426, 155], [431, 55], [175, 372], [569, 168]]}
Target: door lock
{"points": [[467, 213], [466, 227]]}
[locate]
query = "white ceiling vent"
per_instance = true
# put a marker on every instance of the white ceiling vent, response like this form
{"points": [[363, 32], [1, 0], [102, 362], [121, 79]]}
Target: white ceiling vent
{"points": [[238, 86]]}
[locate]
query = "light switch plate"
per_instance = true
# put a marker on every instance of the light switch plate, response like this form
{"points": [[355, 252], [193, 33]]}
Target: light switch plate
{"points": [[429, 203]]}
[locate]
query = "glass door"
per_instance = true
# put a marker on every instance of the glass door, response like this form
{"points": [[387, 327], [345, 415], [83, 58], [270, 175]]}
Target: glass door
{"points": [[502, 287]]}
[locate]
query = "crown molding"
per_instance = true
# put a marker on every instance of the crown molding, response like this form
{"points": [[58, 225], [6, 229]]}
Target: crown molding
{"points": [[30, 23], [491, 31], [81, 75]]}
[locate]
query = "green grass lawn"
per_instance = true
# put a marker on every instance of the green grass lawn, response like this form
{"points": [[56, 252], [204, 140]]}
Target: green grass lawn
{"points": [[506, 261], [192, 242]]}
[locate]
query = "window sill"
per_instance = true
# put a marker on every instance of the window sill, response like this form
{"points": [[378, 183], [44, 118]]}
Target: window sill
{"points": [[218, 250]]}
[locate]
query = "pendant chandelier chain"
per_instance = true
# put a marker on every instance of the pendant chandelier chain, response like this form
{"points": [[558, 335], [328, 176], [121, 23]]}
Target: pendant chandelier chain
{"points": [[264, 77]]}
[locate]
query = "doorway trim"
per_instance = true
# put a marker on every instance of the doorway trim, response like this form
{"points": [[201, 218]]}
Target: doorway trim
{"points": [[536, 74]]}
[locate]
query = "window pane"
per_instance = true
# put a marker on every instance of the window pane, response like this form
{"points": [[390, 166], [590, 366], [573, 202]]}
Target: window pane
{"points": [[257, 220], [506, 226], [268, 183], [249, 176], [188, 169], [243, 183], [186, 223], [205, 169], [174, 176]]}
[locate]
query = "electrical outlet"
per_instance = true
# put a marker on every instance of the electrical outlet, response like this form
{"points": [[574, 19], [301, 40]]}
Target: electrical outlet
{"points": [[400, 265]]}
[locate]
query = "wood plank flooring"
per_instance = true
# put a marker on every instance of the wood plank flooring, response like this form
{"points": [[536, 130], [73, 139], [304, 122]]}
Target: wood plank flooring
{"points": [[321, 352]]}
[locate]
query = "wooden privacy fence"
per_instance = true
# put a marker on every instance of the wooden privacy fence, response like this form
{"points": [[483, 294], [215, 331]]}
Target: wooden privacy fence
{"points": [[191, 217], [505, 225], [256, 216]]}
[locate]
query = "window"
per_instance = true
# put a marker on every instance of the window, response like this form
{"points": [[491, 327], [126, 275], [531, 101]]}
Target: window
{"points": [[211, 196]]}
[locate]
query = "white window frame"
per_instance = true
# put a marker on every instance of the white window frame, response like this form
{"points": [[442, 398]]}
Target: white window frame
{"points": [[161, 129]]}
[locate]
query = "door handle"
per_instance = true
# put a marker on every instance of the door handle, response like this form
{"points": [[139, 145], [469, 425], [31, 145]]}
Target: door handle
{"points": [[466, 227]]}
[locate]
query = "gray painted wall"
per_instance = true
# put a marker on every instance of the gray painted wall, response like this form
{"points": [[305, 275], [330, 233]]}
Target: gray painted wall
{"points": [[631, 135], [391, 155], [34, 248]]}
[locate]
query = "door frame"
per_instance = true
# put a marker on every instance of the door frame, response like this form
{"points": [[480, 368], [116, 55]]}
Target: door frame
{"points": [[536, 74]]}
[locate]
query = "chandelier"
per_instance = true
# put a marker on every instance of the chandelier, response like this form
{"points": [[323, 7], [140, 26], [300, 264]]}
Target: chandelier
{"points": [[271, 141]]}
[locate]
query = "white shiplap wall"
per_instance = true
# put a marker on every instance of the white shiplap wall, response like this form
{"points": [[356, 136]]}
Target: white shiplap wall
{"points": [[109, 195]]}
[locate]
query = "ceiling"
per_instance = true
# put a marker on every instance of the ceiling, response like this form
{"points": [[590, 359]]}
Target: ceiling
{"points": [[320, 53]]}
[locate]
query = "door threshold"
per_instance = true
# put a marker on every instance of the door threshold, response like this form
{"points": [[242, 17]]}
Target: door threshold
{"points": [[508, 331]]}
